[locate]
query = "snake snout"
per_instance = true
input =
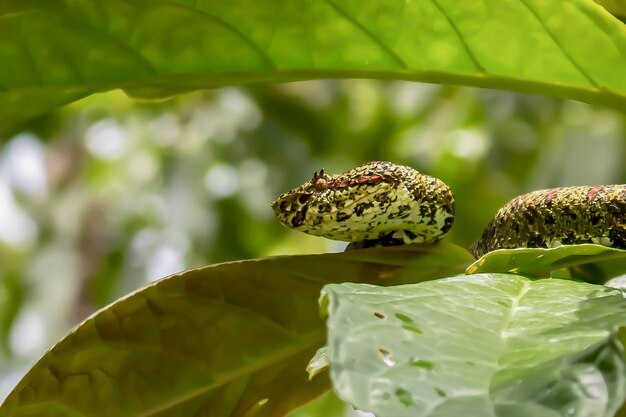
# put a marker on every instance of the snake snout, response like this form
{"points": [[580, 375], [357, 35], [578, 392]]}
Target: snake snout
{"points": [[279, 206], [291, 209]]}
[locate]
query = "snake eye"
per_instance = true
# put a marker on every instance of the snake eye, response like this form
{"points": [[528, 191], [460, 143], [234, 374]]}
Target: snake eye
{"points": [[320, 184]]}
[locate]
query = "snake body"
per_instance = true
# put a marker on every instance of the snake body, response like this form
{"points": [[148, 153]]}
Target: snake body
{"points": [[383, 204], [558, 216]]}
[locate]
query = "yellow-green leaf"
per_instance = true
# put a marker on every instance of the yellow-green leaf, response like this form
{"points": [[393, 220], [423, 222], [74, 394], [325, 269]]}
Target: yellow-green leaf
{"points": [[538, 262]]}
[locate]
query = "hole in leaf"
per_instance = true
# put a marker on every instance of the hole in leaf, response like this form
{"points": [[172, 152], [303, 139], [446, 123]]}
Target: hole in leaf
{"points": [[420, 363], [379, 315], [386, 357], [404, 318], [404, 397]]}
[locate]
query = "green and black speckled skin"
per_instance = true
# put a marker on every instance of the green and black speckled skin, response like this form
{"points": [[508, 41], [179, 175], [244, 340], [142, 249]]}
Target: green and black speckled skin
{"points": [[375, 204], [381, 203], [558, 216]]}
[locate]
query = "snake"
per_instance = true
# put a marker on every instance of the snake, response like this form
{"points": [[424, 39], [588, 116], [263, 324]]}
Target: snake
{"points": [[385, 204]]}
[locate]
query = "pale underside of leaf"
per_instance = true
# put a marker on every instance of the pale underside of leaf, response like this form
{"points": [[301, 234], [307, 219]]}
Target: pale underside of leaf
{"points": [[483, 345]]}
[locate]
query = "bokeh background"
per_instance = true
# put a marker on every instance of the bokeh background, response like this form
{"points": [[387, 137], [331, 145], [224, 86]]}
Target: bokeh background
{"points": [[108, 194]]}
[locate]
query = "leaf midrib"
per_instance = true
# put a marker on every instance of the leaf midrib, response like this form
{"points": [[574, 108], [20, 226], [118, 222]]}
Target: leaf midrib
{"points": [[307, 341]]}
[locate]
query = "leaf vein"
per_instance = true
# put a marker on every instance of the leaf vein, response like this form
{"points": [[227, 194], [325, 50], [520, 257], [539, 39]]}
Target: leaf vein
{"points": [[570, 58], [233, 29], [382, 45], [613, 38], [20, 13], [279, 356], [123, 44], [29, 57], [515, 303], [307, 35], [458, 33]]}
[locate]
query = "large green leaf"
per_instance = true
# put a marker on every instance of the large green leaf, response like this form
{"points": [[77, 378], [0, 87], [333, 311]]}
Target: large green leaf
{"points": [[54, 52], [482, 345], [616, 7], [227, 340], [539, 262]]}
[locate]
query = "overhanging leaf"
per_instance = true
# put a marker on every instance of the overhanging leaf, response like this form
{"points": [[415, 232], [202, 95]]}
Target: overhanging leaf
{"points": [[616, 7], [219, 341], [480, 345], [538, 262], [55, 52]]}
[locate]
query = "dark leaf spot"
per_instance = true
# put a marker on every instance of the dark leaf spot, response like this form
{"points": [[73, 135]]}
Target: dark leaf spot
{"points": [[420, 363], [404, 397], [404, 317], [412, 328]]}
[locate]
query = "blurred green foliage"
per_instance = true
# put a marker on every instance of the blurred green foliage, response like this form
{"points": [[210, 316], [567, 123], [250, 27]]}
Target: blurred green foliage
{"points": [[107, 194]]}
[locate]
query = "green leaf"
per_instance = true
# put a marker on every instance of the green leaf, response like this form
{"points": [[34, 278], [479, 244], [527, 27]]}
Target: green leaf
{"points": [[318, 363], [58, 51], [327, 405], [615, 7], [480, 345], [220, 341], [538, 262]]}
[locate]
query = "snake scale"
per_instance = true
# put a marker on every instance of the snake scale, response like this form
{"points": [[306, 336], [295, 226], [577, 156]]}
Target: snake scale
{"points": [[385, 204]]}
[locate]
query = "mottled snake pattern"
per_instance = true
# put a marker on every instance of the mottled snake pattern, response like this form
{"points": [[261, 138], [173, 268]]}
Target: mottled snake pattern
{"points": [[385, 204]]}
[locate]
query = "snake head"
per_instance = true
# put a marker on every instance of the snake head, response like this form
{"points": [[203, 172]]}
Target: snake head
{"points": [[368, 202], [291, 207]]}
